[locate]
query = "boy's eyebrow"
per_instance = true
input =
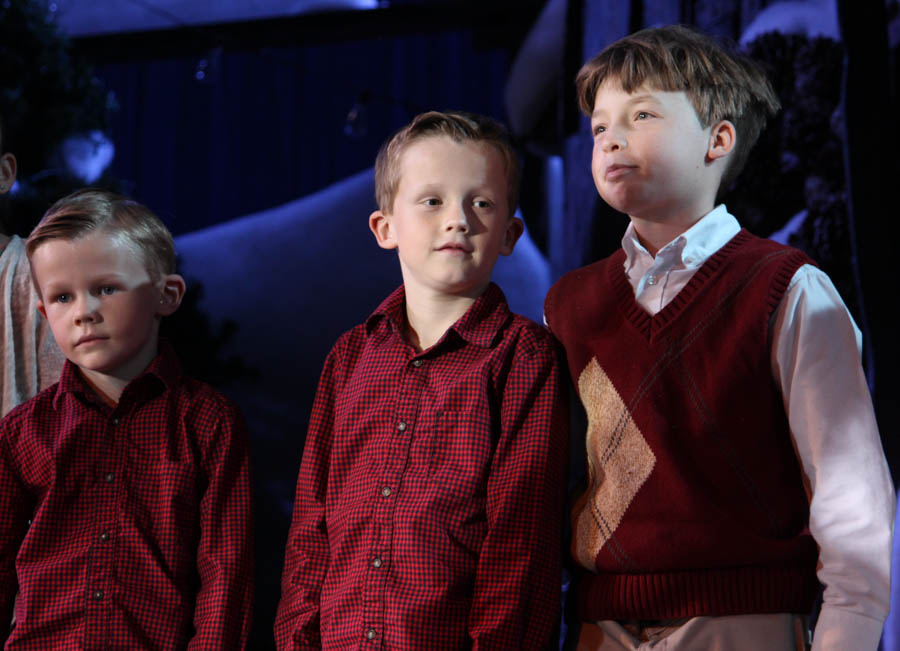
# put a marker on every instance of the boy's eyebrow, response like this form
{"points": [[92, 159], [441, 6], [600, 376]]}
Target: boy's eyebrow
{"points": [[106, 277], [53, 287], [646, 97], [634, 99], [438, 187]]}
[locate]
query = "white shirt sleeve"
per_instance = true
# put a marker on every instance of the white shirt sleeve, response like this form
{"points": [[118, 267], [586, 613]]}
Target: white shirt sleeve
{"points": [[816, 361]]}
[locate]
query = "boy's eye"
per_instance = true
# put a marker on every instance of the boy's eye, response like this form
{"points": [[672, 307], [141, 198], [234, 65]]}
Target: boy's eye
{"points": [[598, 129], [432, 201], [107, 290], [643, 115], [482, 203], [62, 298]]}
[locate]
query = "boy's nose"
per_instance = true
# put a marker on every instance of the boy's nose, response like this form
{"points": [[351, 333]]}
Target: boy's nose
{"points": [[458, 219], [614, 141], [86, 310]]}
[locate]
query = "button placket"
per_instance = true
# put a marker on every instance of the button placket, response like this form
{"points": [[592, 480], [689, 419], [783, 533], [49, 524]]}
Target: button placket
{"points": [[390, 477], [108, 497]]}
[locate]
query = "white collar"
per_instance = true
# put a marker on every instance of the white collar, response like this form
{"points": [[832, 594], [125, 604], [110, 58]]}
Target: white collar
{"points": [[690, 249]]}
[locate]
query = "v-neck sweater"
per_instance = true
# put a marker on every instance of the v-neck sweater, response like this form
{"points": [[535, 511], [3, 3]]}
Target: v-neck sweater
{"points": [[695, 502]]}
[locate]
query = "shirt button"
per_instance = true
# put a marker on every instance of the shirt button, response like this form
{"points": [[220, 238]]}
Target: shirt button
{"points": [[651, 280], [376, 563], [97, 595], [370, 634], [401, 426], [417, 363], [386, 491], [104, 537], [115, 421], [108, 477]]}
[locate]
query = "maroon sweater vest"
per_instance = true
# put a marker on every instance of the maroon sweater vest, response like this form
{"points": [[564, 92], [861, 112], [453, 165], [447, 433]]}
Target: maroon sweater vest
{"points": [[695, 503]]}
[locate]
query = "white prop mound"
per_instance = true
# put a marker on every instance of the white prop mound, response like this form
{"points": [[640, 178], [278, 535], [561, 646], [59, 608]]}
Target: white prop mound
{"points": [[294, 277]]}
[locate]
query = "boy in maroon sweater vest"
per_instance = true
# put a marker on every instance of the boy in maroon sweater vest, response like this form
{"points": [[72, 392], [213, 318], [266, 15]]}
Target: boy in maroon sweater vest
{"points": [[732, 448]]}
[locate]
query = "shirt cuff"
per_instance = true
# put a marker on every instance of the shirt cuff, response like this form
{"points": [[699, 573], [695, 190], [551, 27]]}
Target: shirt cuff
{"points": [[838, 630]]}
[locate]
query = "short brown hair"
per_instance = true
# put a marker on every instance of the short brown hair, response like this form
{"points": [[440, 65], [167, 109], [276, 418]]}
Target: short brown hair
{"points": [[720, 83], [458, 125], [87, 211]]}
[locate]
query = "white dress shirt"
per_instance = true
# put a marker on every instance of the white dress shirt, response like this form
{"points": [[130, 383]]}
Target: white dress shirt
{"points": [[816, 363]]}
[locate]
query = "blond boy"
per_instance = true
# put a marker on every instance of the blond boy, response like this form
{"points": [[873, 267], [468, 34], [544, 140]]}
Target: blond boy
{"points": [[734, 460], [428, 505], [124, 488]]}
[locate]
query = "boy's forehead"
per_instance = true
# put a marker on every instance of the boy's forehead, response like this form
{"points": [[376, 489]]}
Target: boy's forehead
{"points": [[614, 85], [612, 90], [432, 156], [96, 249]]}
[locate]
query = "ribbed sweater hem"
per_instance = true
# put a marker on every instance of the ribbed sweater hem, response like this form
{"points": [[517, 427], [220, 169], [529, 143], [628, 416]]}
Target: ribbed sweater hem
{"points": [[710, 592]]}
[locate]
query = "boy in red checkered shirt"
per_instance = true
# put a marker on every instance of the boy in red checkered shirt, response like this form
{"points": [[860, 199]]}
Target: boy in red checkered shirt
{"points": [[429, 502], [124, 488]]}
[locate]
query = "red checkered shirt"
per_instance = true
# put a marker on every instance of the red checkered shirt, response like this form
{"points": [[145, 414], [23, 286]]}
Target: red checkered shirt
{"points": [[140, 533], [429, 503]]}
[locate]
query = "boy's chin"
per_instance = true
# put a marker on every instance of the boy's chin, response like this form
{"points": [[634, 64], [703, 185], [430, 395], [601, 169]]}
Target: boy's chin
{"points": [[465, 290], [617, 203]]}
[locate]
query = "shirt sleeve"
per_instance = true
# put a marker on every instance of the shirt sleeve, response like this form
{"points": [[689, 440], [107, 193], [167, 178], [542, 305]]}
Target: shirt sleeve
{"points": [[225, 553], [307, 553], [816, 360], [517, 593], [41, 359], [15, 508]]}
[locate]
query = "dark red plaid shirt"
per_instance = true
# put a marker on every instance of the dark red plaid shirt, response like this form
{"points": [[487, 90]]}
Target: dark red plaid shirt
{"points": [[430, 497], [140, 534]]}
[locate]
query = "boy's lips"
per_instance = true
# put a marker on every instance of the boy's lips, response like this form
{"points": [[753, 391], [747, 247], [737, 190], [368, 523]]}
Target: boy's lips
{"points": [[617, 170], [455, 246], [86, 339]]}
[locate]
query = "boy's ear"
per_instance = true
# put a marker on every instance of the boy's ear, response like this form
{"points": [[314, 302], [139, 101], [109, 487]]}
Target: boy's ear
{"points": [[7, 172], [173, 288], [722, 139], [41, 308], [380, 225], [514, 230]]}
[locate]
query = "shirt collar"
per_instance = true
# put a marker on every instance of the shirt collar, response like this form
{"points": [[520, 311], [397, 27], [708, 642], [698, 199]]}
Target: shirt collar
{"points": [[164, 372], [693, 247], [479, 325]]}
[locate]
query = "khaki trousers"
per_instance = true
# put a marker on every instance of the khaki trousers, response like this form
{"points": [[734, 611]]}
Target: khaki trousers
{"points": [[778, 632]]}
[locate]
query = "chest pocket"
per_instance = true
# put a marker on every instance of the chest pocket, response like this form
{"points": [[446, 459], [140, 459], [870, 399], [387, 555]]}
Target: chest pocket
{"points": [[164, 490], [458, 455]]}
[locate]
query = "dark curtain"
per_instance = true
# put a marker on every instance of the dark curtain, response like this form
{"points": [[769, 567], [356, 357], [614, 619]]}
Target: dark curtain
{"points": [[204, 139]]}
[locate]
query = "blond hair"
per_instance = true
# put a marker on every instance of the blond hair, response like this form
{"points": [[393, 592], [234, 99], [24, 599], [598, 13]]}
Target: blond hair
{"points": [[720, 83], [88, 211], [457, 125]]}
